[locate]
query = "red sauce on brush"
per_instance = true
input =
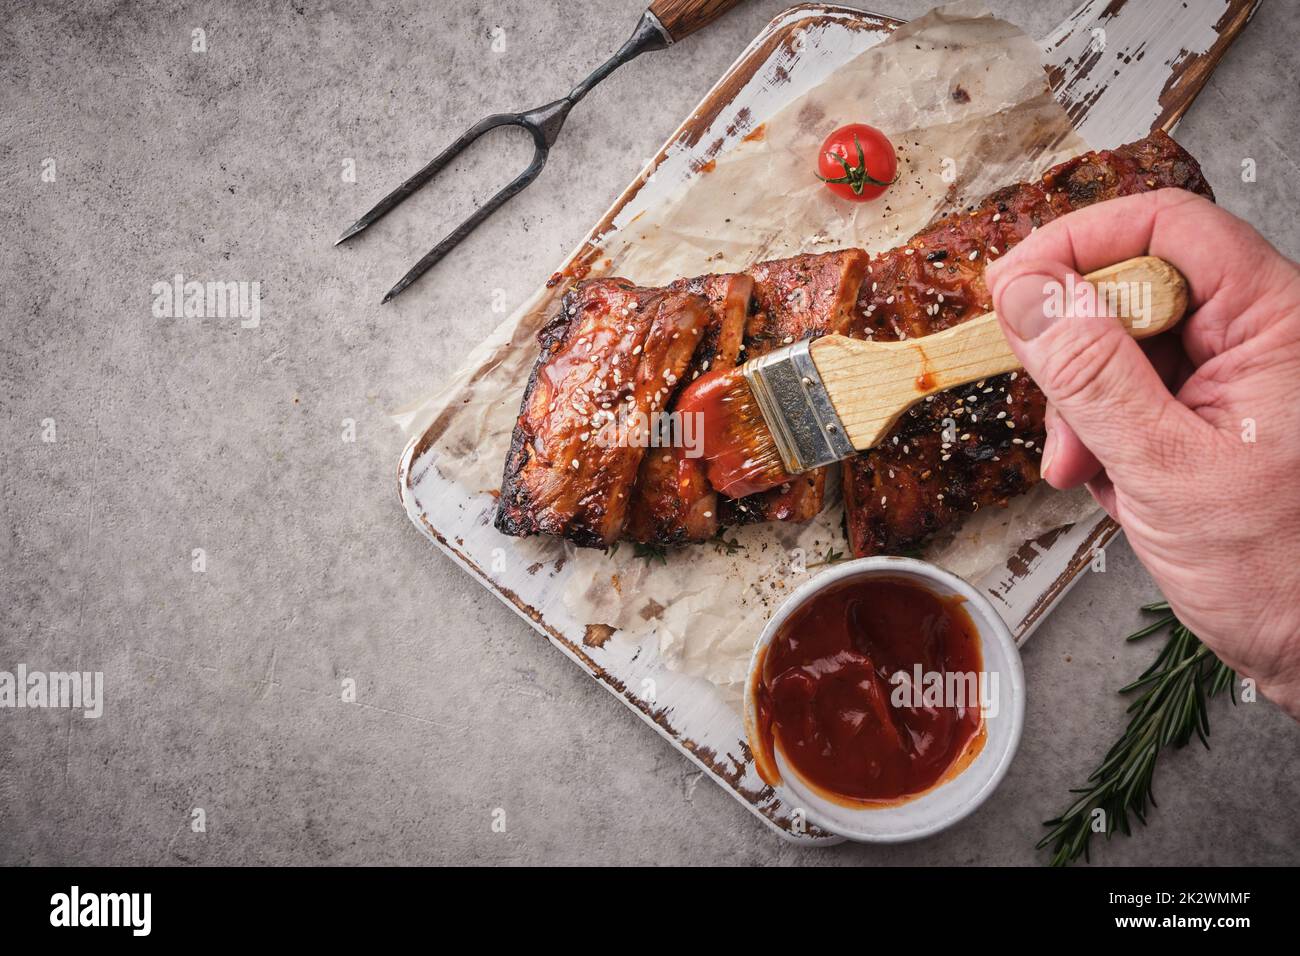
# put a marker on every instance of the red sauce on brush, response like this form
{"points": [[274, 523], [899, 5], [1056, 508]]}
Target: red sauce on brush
{"points": [[825, 696], [738, 454]]}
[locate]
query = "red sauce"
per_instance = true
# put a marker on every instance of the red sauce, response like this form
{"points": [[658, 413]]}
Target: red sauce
{"points": [[731, 427], [825, 695]]}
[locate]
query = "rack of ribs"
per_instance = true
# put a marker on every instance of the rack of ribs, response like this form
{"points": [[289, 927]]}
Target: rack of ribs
{"points": [[609, 362], [979, 444], [616, 349]]}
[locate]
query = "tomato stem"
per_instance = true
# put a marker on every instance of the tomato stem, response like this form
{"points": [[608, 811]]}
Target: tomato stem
{"points": [[855, 177]]}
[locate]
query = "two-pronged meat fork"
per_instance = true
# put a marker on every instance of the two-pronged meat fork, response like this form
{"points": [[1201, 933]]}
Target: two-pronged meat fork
{"points": [[665, 22]]}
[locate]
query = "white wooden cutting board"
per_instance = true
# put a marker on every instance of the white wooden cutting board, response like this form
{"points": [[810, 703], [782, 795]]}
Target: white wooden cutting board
{"points": [[1120, 68]]}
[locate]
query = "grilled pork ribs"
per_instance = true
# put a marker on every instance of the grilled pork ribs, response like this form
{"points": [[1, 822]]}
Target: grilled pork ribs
{"points": [[612, 356], [616, 349]]}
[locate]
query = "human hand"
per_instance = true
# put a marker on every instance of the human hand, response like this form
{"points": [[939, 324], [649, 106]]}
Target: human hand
{"points": [[1190, 440]]}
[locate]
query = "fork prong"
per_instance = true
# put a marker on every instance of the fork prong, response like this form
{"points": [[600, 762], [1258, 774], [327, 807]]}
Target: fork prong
{"points": [[431, 169], [434, 255]]}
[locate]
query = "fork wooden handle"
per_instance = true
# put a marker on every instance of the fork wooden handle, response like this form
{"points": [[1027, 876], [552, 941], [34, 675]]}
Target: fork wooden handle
{"points": [[872, 383], [681, 18]]}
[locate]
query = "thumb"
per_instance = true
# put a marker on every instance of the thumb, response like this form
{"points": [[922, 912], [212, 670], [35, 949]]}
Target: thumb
{"points": [[1088, 366]]}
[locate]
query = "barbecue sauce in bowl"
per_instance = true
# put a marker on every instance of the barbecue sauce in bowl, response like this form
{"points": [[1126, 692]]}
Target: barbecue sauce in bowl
{"points": [[828, 696]]}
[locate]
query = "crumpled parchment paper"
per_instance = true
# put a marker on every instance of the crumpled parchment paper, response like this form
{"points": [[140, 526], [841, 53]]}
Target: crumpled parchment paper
{"points": [[964, 99]]}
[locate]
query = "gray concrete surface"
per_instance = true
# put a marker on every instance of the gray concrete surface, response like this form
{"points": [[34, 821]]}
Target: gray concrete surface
{"points": [[223, 687]]}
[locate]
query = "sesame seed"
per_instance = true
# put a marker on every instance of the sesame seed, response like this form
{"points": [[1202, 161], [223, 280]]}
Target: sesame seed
{"points": [[575, 464], [974, 254], [1002, 415], [997, 216], [637, 350], [708, 514]]}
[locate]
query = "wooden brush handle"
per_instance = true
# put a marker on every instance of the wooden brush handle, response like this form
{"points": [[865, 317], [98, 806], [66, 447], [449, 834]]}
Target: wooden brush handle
{"points": [[872, 383]]}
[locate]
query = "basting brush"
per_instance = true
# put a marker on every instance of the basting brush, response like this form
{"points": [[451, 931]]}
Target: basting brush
{"points": [[821, 400]]}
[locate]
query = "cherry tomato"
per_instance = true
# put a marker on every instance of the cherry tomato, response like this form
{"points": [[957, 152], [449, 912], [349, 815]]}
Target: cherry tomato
{"points": [[857, 162]]}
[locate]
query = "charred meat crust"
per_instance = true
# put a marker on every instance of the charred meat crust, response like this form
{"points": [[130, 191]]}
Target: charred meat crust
{"points": [[919, 480], [608, 362]]}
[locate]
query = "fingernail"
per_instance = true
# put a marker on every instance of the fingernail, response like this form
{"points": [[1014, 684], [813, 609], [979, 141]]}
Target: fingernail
{"points": [[1049, 450], [1023, 304]]}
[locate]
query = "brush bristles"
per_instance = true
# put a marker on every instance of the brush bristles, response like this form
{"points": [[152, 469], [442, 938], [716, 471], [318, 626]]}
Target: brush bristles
{"points": [[742, 457]]}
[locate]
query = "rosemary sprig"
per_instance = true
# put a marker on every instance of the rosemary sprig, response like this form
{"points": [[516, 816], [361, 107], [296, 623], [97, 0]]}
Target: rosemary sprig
{"points": [[1170, 709]]}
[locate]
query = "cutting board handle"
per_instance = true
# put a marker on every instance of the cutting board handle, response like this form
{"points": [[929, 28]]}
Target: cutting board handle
{"points": [[681, 18]]}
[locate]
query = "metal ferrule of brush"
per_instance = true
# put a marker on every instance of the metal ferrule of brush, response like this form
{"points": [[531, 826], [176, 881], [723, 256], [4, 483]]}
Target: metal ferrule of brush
{"points": [[805, 428]]}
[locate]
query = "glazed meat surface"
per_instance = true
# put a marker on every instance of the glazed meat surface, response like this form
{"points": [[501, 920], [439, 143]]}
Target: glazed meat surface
{"points": [[609, 361], [921, 479], [797, 298], [674, 502], [618, 354]]}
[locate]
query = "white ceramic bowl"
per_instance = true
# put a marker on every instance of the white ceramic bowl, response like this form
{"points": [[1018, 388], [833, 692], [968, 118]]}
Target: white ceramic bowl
{"points": [[958, 796]]}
